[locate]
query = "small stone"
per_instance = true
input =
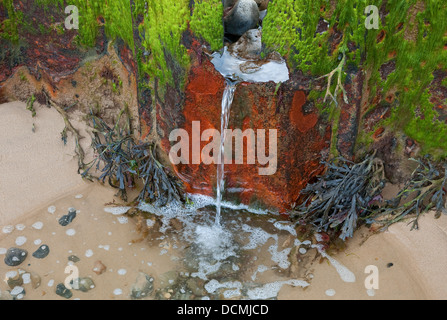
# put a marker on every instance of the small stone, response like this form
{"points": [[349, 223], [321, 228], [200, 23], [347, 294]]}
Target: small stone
{"points": [[389, 265], [143, 286], [67, 219], [35, 280], [15, 256], [83, 284], [62, 291], [242, 17], [248, 46], [42, 252], [99, 268], [13, 279], [73, 258], [167, 295]]}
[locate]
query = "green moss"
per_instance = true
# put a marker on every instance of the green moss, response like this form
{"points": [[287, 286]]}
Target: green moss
{"points": [[207, 23], [162, 29], [9, 27]]}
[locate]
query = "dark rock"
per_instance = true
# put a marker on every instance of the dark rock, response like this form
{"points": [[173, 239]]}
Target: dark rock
{"points": [[73, 258], [67, 219], [62, 291], [42, 252], [15, 256], [243, 17], [143, 286]]}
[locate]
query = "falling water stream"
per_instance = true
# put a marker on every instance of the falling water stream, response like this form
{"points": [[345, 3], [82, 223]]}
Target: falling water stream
{"points": [[227, 101], [230, 67]]}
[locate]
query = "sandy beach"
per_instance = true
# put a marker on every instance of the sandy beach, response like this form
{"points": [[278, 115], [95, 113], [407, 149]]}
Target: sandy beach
{"points": [[39, 183]]}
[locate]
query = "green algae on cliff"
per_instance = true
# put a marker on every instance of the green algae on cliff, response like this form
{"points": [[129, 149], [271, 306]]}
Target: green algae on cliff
{"points": [[9, 26], [206, 22]]}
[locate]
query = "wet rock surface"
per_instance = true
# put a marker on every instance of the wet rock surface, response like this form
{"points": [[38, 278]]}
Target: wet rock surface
{"points": [[15, 256], [242, 17], [42, 252], [63, 291], [68, 218], [143, 286]]}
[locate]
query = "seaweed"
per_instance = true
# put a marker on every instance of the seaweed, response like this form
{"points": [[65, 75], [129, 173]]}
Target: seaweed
{"points": [[121, 161], [340, 198], [426, 190]]}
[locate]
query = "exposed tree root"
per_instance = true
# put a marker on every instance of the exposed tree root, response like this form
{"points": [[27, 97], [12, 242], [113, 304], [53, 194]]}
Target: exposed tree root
{"points": [[69, 127]]}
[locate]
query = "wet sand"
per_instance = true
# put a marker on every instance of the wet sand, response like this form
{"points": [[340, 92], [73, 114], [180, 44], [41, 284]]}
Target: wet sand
{"points": [[40, 183]]}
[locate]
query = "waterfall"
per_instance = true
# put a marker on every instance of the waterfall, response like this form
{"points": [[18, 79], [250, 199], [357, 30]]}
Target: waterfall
{"points": [[227, 100]]}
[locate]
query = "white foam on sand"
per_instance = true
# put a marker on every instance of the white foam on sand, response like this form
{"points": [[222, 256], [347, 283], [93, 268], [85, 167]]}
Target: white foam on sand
{"points": [[117, 211], [271, 290]]}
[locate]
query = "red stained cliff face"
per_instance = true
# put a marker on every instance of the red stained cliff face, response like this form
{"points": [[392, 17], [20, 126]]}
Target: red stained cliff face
{"points": [[255, 106]]}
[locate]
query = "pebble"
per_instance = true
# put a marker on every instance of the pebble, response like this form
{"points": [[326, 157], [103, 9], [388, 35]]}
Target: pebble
{"points": [[83, 284], [13, 279], [73, 258], [42, 252], [67, 219], [62, 291], [99, 268], [143, 286], [15, 256], [35, 280]]}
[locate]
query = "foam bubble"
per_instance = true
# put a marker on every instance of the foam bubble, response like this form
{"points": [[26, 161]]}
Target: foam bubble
{"points": [[52, 209], [117, 292], [122, 272], [117, 211], [271, 290], [8, 229], [20, 241], [38, 225], [123, 220], [3, 250], [70, 232], [345, 274], [330, 292], [213, 285], [89, 253]]}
